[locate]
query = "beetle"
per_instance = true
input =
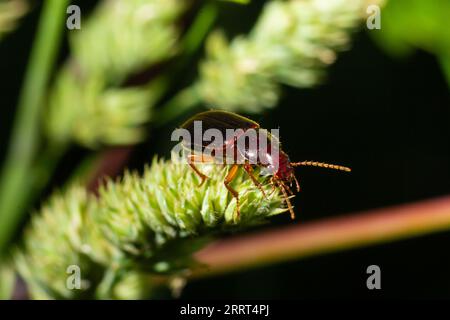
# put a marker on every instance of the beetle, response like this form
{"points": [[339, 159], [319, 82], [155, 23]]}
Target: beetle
{"points": [[229, 151]]}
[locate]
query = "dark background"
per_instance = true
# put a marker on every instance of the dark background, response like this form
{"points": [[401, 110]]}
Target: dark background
{"points": [[388, 119]]}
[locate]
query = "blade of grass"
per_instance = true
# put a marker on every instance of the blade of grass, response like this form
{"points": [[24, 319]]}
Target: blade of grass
{"points": [[14, 189]]}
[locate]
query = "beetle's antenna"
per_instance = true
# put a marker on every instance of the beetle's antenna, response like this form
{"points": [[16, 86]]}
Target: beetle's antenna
{"points": [[321, 165]]}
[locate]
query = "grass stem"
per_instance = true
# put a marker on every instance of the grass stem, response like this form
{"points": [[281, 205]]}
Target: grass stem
{"points": [[330, 235], [14, 185]]}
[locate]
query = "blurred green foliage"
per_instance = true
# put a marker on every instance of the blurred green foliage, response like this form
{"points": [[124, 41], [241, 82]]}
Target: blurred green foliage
{"points": [[291, 43], [93, 114], [408, 25], [89, 103], [10, 12], [123, 37], [64, 233]]}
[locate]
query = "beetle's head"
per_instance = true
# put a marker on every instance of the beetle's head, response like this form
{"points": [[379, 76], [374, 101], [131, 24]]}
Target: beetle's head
{"points": [[285, 175], [285, 171], [278, 167]]}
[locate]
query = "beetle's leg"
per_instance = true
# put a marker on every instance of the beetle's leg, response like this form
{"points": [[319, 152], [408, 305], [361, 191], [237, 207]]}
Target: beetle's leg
{"points": [[248, 168], [286, 198], [274, 186], [297, 185], [228, 179], [198, 158], [286, 187]]}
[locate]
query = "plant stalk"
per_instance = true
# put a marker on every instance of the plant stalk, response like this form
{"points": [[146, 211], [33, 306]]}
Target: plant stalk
{"points": [[14, 185], [183, 101], [330, 235]]}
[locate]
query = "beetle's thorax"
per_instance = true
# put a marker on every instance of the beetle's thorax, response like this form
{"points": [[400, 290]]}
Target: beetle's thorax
{"points": [[278, 166], [285, 171]]}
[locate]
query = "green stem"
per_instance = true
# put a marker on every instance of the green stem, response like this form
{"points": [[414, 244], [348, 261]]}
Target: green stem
{"points": [[113, 275], [84, 171], [199, 29], [179, 104], [104, 290], [445, 65], [14, 189], [45, 165], [191, 43]]}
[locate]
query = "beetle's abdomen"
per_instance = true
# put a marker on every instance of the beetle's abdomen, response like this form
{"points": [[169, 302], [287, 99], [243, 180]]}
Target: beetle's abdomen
{"points": [[215, 127]]}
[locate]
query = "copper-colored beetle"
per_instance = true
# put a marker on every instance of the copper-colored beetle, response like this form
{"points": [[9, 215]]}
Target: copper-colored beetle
{"points": [[280, 168]]}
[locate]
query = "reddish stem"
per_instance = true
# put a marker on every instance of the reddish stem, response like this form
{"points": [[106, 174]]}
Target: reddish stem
{"points": [[298, 241]]}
